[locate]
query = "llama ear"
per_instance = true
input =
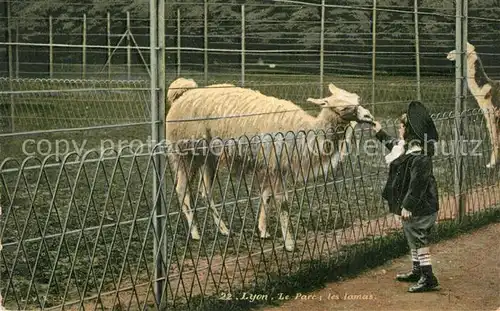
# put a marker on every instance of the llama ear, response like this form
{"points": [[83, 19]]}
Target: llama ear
{"points": [[470, 48], [332, 88], [488, 95], [317, 101]]}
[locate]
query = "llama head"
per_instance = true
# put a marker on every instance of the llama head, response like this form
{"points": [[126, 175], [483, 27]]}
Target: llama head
{"points": [[345, 104], [452, 55]]}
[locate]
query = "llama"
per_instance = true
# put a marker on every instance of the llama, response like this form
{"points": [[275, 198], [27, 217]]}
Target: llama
{"points": [[229, 112], [487, 94]]}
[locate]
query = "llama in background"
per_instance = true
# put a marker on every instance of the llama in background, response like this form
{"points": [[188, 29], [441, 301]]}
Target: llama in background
{"points": [[487, 94]]}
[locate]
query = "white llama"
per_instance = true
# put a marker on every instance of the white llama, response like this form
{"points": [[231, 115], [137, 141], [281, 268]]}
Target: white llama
{"points": [[229, 112]]}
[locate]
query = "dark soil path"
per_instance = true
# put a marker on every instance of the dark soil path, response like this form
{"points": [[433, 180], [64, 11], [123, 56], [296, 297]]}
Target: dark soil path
{"points": [[468, 268]]}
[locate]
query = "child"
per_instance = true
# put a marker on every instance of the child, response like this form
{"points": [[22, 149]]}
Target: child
{"points": [[411, 189]]}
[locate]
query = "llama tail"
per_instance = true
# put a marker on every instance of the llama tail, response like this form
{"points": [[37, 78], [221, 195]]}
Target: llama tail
{"points": [[178, 87]]}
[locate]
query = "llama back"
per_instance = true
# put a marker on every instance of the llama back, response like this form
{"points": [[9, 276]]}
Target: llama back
{"points": [[230, 112]]}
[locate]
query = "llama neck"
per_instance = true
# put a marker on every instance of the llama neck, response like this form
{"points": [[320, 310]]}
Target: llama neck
{"points": [[476, 77], [324, 158], [327, 119]]}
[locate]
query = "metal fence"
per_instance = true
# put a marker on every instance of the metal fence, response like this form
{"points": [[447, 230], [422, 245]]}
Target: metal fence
{"points": [[90, 216], [81, 232]]}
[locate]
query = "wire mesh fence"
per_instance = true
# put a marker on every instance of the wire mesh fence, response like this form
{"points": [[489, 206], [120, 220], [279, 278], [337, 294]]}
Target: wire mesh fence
{"points": [[84, 175], [47, 104], [86, 45]]}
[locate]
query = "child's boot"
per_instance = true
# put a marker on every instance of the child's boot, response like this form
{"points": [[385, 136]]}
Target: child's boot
{"points": [[428, 280], [415, 273]]}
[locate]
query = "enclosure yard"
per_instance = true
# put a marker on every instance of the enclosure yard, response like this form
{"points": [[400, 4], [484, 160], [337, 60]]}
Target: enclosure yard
{"points": [[88, 218], [43, 104], [89, 221]]}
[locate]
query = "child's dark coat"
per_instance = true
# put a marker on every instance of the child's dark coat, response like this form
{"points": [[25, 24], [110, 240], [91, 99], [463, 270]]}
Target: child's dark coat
{"points": [[411, 183]]}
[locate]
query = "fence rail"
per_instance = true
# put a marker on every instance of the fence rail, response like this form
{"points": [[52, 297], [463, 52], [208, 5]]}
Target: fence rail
{"points": [[90, 212], [49, 104]]}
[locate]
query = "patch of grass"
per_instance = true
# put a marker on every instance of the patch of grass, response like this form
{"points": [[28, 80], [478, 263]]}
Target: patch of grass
{"points": [[81, 103], [54, 104]]}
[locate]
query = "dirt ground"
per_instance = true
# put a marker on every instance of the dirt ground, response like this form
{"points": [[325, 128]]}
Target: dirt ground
{"points": [[468, 268]]}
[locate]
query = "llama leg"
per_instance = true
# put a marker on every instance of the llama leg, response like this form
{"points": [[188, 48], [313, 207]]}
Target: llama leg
{"points": [[285, 225], [492, 132], [208, 179], [184, 195], [497, 132], [264, 206], [495, 140], [283, 207]]}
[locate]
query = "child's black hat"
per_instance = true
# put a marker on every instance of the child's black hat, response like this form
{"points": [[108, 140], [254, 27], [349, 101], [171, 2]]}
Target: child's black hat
{"points": [[421, 122]]}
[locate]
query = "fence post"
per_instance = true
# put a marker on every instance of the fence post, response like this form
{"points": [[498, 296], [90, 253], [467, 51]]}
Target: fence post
{"points": [[465, 90], [17, 49], [179, 44], [463, 185], [84, 47], [153, 104], [460, 92], [51, 48], [322, 50], [108, 31], [129, 48], [417, 50], [11, 69], [243, 39], [158, 80], [205, 40], [374, 52]]}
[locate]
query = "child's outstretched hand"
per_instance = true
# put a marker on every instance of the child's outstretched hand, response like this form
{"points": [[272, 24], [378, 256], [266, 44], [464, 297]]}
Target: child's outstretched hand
{"points": [[405, 214]]}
